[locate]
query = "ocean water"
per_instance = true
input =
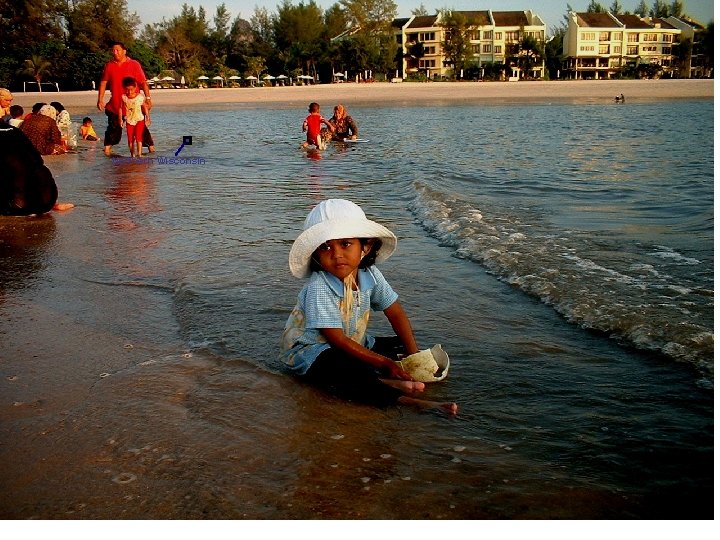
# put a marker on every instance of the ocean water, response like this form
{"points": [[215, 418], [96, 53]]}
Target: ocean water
{"points": [[562, 253]]}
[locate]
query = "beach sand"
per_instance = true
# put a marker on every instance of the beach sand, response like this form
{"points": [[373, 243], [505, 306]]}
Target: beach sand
{"points": [[57, 424], [82, 102]]}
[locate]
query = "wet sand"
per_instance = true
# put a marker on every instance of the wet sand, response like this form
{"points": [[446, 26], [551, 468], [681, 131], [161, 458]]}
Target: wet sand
{"points": [[405, 93]]}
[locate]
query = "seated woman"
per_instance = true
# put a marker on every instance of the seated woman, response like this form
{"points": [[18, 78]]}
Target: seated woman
{"points": [[345, 126], [43, 131]]}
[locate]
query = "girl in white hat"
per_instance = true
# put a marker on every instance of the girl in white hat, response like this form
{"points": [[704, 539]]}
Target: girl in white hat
{"points": [[325, 339]]}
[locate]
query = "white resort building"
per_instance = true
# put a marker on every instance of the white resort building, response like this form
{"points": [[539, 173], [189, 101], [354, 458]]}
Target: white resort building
{"points": [[602, 45]]}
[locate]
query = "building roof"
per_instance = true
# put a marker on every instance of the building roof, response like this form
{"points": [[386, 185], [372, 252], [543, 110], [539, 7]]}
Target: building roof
{"points": [[597, 20], [399, 23], [423, 21], [634, 22], [662, 23], [479, 18], [511, 18]]}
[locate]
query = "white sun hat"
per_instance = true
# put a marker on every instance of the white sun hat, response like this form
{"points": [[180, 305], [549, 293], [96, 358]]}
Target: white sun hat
{"points": [[333, 219]]}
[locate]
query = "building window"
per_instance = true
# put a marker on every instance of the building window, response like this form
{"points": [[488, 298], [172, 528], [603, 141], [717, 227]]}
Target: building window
{"points": [[604, 36], [427, 64], [427, 36], [617, 49], [587, 48], [632, 49], [476, 48], [487, 34], [650, 37], [649, 48], [617, 36], [587, 36], [475, 35], [667, 50], [498, 36], [604, 49], [429, 50], [512, 36], [487, 48], [633, 38], [668, 38], [498, 49]]}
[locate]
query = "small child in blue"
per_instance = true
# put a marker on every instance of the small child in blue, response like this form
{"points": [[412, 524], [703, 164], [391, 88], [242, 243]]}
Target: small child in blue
{"points": [[325, 340]]}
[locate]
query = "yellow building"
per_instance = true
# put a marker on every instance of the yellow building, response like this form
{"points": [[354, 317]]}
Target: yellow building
{"points": [[495, 37]]}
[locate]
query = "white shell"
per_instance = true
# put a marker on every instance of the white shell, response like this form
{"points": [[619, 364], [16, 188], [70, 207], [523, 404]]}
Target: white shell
{"points": [[429, 365]]}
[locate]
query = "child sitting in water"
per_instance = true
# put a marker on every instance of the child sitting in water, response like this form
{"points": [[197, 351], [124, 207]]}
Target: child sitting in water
{"points": [[134, 114], [325, 340], [312, 126], [87, 131]]}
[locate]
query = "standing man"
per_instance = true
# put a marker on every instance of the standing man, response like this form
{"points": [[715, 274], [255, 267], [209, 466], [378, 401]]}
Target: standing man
{"points": [[115, 71]]}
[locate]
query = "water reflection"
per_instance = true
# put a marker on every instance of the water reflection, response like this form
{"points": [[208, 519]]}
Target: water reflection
{"points": [[24, 250]]}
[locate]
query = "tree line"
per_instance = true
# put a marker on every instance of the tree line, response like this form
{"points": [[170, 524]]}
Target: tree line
{"points": [[68, 41]]}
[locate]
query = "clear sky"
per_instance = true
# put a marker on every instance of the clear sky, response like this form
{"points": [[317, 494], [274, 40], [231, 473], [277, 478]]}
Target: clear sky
{"points": [[551, 11]]}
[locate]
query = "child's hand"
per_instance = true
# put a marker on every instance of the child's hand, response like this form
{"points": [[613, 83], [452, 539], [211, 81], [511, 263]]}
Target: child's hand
{"points": [[148, 121], [396, 372]]}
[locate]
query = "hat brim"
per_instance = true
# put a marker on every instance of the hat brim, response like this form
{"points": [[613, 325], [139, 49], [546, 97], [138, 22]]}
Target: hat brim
{"points": [[332, 229]]}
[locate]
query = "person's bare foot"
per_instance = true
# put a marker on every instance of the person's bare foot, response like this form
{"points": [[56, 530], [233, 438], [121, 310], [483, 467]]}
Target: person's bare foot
{"points": [[151, 149], [61, 207], [107, 150], [451, 408]]}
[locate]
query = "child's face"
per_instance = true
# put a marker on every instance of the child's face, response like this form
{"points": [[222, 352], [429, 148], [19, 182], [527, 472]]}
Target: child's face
{"points": [[131, 91], [340, 257]]}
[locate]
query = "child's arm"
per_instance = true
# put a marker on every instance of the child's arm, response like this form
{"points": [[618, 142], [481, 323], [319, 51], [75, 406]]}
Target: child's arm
{"points": [[337, 338], [401, 324], [329, 125], [146, 112]]}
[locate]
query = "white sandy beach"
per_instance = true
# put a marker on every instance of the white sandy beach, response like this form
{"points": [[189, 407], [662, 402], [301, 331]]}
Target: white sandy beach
{"points": [[402, 93]]}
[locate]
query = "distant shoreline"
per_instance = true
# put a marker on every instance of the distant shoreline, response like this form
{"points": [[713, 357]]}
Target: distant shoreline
{"points": [[400, 94]]}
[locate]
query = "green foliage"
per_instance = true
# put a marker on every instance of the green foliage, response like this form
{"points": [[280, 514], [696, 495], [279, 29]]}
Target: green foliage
{"points": [[596, 7], [456, 46]]}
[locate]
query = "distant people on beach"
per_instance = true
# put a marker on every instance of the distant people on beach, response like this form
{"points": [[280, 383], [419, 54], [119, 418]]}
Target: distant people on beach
{"points": [[26, 184], [115, 71], [312, 125], [6, 99], [343, 124], [36, 109], [16, 114], [325, 341], [620, 98], [64, 123], [134, 115], [87, 131], [43, 131]]}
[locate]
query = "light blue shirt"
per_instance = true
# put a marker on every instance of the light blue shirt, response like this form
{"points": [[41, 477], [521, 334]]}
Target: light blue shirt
{"points": [[318, 306]]}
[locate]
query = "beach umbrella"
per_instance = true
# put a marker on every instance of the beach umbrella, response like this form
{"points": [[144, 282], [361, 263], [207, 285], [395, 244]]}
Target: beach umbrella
{"points": [[268, 78], [168, 78], [234, 78], [217, 78], [281, 77], [338, 74], [251, 78], [203, 78]]}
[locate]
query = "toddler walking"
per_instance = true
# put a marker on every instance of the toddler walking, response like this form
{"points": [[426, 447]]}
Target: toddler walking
{"points": [[325, 340], [136, 115]]}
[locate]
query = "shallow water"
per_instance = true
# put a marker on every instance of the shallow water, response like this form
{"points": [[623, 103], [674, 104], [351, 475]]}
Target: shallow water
{"points": [[567, 270]]}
